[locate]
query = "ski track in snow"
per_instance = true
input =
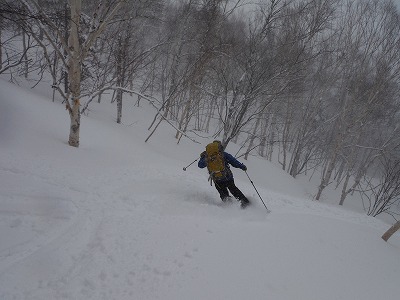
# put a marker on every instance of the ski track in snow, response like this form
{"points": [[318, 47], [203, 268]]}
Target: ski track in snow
{"points": [[87, 231], [109, 221]]}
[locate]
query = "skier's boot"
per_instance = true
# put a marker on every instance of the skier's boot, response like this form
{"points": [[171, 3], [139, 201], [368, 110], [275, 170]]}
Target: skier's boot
{"points": [[227, 199], [244, 202]]}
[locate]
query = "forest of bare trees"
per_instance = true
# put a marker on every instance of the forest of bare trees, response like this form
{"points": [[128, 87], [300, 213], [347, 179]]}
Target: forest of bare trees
{"points": [[311, 84]]}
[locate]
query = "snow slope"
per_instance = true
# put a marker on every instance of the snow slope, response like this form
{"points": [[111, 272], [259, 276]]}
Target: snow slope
{"points": [[118, 218]]}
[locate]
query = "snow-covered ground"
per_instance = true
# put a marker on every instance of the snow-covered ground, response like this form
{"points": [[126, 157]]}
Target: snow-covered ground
{"points": [[118, 218]]}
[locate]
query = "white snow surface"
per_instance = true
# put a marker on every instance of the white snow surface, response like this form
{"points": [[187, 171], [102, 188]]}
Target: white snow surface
{"points": [[118, 218]]}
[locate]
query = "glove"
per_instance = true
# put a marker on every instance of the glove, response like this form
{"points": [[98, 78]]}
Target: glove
{"points": [[244, 168], [203, 154]]}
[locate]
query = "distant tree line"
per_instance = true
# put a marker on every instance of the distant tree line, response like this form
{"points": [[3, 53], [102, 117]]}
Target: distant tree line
{"points": [[312, 84]]}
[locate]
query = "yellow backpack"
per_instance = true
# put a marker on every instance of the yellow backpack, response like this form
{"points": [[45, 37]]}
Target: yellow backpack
{"points": [[215, 160]]}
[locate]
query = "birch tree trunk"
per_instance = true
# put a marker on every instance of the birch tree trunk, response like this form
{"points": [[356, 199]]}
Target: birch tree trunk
{"points": [[119, 79], [286, 131], [331, 165], [66, 36], [252, 138], [74, 73], [25, 56], [1, 42], [263, 135], [391, 231], [271, 142]]}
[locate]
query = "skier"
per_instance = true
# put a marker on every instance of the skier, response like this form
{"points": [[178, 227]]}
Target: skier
{"points": [[217, 162]]}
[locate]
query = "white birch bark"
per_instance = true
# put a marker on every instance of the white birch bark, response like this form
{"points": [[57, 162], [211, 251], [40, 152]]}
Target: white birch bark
{"points": [[74, 73]]}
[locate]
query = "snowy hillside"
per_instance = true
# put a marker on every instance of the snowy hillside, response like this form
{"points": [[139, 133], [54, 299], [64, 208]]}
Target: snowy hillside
{"points": [[118, 218]]}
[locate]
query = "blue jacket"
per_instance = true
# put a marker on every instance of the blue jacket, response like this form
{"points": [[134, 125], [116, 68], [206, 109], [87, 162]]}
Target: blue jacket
{"points": [[229, 160]]}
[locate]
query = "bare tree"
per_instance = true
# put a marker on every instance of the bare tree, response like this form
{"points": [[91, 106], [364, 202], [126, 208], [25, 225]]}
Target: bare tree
{"points": [[12, 57], [364, 75], [381, 196], [77, 48], [203, 51], [248, 76]]}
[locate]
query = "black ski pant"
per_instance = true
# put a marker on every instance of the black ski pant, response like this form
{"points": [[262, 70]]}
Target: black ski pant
{"points": [[223, 187]]}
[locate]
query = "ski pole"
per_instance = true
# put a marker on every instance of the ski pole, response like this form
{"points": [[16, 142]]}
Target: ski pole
{"points": [[257, 192], [184, 168]]}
